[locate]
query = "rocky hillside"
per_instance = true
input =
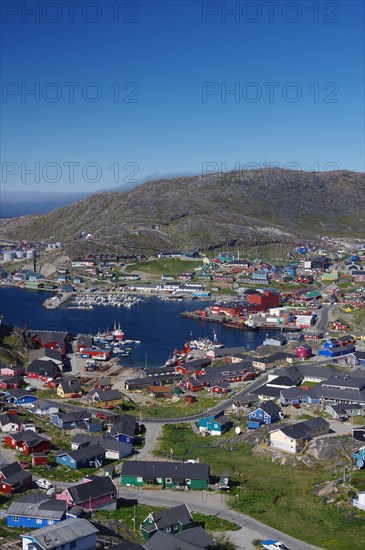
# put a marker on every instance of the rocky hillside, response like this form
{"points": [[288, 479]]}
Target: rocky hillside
{"points": [[251, 208]]}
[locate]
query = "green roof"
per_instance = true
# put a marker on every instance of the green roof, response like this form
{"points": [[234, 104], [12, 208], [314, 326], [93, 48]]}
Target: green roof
{"points": [[313, 294]]}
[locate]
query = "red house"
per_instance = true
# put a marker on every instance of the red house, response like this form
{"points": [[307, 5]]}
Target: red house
{"points": [[220, 388], [28, 442], [304, 351], [339, 326], [39, 459], [264, 300], [51, 339], [14, 479], [12, 370], [92, 493]]}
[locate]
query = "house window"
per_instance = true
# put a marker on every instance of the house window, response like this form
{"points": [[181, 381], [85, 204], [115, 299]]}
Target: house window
{"points": [[159, 479], [38, 520], [168, 529], [16, 518], [187, 481], [50, 522], [168, 480], [139, 479]]}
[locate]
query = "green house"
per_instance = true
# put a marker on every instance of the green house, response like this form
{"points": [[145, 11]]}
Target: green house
{"points": [[173, 520], [165, 474]]}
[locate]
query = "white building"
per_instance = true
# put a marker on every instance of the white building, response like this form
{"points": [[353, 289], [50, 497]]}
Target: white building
{"points": [[359, 502]]}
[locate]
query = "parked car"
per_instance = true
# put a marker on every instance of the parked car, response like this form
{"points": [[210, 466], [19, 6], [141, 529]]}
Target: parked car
{"points": [[30, 388], [24, 464], [44, 484], [296, 405]]}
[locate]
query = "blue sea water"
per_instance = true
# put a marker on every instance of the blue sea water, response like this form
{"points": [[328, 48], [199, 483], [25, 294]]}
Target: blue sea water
{"points": [[156, 323]]}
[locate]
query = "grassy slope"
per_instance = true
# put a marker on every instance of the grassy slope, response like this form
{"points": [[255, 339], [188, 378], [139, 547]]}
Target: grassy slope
{"points": [[277, 495]]}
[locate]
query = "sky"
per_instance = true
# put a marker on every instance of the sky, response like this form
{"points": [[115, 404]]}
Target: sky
{"points": [[129, 91]]}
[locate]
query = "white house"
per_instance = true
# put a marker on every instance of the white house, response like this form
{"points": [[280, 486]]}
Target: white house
{"points": [[359, 502]]}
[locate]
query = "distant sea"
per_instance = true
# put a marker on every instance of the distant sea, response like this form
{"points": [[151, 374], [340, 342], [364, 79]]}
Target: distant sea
{"points": [[155, 322]]}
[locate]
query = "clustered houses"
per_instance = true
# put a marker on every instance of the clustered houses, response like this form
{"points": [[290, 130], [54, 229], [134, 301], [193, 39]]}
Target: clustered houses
{"points": [[218, 379], [334, 347]]}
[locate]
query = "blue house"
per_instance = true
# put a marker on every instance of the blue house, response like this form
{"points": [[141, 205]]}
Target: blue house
{"points": [[290, 396], [331, 343], [68, 421], [20, 397], [266, 413], [90, 456], [336, 351], [214, 425], [124, 429], [35, 511]]}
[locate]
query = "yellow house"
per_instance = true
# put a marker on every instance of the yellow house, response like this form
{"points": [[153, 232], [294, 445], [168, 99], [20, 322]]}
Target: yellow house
{"points": [[104, 398], [69, 386]]}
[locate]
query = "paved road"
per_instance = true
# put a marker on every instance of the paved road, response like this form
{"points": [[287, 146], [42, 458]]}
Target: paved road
{"points": [[217, 505]]}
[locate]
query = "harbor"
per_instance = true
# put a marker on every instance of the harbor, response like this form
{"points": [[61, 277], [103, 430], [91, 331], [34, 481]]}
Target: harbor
{"points": [[156, 323]]}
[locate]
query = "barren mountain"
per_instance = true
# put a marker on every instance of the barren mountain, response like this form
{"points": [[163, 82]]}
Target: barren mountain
{"points": [[251, 208]]}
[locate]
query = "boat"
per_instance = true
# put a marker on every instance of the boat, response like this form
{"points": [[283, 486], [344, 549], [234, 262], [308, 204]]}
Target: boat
{"points": [[274, 545], [118, 333]]}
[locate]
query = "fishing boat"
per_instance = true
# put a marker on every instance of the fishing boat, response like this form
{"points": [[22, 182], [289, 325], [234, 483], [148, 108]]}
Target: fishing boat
{"points": [[118, 333]]}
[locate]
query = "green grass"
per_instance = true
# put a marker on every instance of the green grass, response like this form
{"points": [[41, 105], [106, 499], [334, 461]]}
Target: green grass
{"points": [[279, 496], [163, 409], [168, 266]]}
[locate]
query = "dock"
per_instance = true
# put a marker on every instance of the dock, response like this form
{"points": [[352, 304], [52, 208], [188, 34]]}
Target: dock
{"points": [[236, 322]]}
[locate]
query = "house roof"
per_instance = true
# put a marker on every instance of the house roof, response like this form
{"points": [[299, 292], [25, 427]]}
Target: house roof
{"points": [[73, 416], [6, 418], [38, 366], [84, 453], [170, 516], [44, 405], [29, 437], [70, 384], [269, 407], [304, 429], [37, 506], [344, 382], [94, 487], [13, 473], [108, 442], [124, 425], [293, 372], [281, 381], [66, 531], [175, 470], [165, 541], [105, 395], [196, 535], [52, 354]]}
